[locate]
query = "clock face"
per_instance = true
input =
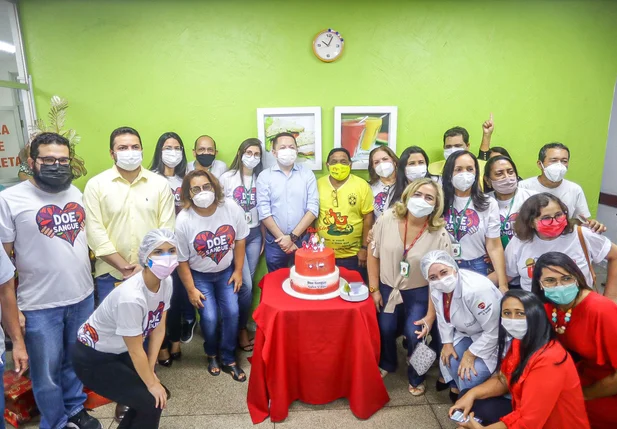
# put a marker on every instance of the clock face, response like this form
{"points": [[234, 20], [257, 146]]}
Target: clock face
{"points": [[328, 45]]}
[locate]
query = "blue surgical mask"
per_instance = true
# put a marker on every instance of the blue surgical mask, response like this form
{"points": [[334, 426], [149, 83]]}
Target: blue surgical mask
{"points": [[562, 295]]}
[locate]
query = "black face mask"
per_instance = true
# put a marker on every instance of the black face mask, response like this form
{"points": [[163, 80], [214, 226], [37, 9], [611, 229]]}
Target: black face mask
{"points": [[205, 160], [53, 178]]}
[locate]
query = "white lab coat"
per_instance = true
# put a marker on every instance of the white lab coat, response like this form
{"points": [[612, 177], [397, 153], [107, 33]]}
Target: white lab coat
{"points": [[474, 312]]}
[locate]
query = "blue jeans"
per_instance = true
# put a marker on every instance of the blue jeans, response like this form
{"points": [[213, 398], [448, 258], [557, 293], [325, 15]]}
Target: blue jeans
{"points": [[50, 334], [479, 365], [413, 308], [251, 258], [275, 257], [2, 424], [104, 285], [351, 263], [479, 265], [219, 296]]}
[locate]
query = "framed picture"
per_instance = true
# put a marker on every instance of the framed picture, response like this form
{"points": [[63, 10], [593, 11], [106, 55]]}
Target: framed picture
{"points": [[303, 122], [360, 129]]}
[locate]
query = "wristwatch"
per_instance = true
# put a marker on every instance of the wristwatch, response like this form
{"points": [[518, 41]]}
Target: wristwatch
{"points": [[293, 237], [373, 289]]}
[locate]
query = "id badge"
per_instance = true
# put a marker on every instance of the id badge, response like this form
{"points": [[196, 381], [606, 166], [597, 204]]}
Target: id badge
{"points": [[457, 252], [405, 269], [248, 217]]}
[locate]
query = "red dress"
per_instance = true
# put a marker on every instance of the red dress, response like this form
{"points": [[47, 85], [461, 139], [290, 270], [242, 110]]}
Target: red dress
{"points": [[592, 335], [547, 395]]}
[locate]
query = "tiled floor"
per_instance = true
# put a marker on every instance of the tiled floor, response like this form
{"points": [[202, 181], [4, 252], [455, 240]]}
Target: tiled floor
{"points": [[202, 401]]}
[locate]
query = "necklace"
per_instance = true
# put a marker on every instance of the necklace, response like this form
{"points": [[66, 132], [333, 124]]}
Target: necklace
{"points": [[566, 318]]}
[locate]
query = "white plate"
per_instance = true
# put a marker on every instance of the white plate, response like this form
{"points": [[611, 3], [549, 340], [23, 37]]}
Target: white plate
{"points": [[287, 288], [358, 297]]}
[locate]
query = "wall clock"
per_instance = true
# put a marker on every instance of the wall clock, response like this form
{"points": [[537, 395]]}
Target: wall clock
{"points": [[328, 45]]}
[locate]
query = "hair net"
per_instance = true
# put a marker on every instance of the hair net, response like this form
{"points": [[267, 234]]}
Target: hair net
{"points": [[436, 257], [154, 239]]}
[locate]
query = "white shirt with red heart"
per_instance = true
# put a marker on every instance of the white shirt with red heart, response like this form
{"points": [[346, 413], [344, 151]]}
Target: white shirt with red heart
{"points": [[48, 232], [208, 243], [475, 226]]}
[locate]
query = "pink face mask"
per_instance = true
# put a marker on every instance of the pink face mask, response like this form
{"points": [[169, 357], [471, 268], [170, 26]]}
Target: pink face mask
{"points": [[163, 266]]}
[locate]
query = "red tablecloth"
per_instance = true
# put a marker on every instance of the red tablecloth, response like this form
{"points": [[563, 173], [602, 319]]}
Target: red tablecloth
{"points": [[314, 351]]}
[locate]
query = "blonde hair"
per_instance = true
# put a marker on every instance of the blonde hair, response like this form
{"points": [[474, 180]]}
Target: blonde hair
{"points": [[435, 220]]}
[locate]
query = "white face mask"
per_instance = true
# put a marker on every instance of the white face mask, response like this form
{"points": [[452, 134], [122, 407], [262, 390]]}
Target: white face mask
{"points": [[445, 285], [204, 199], [413, 172], [517, 328], [250, 161], [450, 151], [286, 157], [555, 172], [129, 160], [463, 181], [384, 169], [171, 158], [418, 207]]}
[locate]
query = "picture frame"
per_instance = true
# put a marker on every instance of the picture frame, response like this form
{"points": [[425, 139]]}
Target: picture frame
{"points": [[303, 122], [360, 129]]}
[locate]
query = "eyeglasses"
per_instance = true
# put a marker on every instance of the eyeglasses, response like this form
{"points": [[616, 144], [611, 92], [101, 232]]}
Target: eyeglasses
{"points": [[335, 199], [197, 189], [548, 220], [554, 282], [251, 153], [50, 160]]}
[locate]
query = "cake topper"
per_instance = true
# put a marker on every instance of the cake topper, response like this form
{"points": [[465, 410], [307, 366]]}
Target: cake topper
{"points": [[314, 243]]}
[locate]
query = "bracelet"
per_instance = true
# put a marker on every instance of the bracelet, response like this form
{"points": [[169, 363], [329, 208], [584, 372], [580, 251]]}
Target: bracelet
{"points": [[363, 247], [373, 289]]}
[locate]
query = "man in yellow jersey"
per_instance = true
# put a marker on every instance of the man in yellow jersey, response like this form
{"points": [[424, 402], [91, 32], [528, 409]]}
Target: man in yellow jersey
{"points": [[345, 212], [456, 139]]}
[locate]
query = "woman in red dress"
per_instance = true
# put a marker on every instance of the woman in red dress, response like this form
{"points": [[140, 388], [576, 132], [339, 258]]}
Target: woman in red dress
{"points": [[536, 370], [586, 325]]}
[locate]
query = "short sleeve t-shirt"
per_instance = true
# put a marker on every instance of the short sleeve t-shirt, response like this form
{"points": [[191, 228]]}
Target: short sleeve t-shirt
{"points": [[217, 168], [471, 228], [207, 243], [521, 256], [131, 309], [7, 272], [341, 220], [570, 193], [508, 210], [244, 192], [382, 194], [175, 182], [48, 232]]}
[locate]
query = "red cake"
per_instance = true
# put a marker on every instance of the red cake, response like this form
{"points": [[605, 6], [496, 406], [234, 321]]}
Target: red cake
{"points": [[314, 272]]}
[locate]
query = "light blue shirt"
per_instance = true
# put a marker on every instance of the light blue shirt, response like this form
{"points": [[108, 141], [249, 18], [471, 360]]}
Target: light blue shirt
{"points": [[287, 198]]}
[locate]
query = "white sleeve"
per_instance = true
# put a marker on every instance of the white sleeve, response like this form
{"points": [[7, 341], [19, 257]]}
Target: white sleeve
{"points": [[511, 255], [597, 245], [129, 319], [7, 270], [242, 228], [168, 292], [581, 207], [493, 221], [446, 330], [184, 250], [487, 316], [7, 227]]}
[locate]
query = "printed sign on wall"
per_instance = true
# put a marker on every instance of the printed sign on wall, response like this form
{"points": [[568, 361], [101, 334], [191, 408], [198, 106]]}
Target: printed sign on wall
{"points": [[10, 144]]}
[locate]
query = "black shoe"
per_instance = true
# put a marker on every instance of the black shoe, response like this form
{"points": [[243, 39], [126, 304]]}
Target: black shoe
{"points": [[82, 420], [166, 362], [440, 386], [121, 411], [186, 332], [176, 356], [453, 397]]}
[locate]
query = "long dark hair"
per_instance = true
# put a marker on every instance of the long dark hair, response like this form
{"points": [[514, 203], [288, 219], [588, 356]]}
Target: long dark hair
{"points": [[539, 336], [236, 164], [489, 166], [480, 200], [563, 261], [157, 164], [401, 179]]}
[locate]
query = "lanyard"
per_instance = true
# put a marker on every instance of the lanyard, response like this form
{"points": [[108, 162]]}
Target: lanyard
{"points": [[407, 249], [456, 222], [505, 220], [247, 193]]}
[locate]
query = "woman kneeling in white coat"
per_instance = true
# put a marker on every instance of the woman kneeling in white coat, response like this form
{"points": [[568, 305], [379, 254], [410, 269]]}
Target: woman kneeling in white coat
{"points": [[467, 306]]}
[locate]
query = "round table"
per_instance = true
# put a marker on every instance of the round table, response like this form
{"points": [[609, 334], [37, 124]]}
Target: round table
{"points": [[313, 351]]}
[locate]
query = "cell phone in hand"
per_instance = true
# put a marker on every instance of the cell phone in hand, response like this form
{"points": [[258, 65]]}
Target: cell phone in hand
{"points": [[457, 416]]}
